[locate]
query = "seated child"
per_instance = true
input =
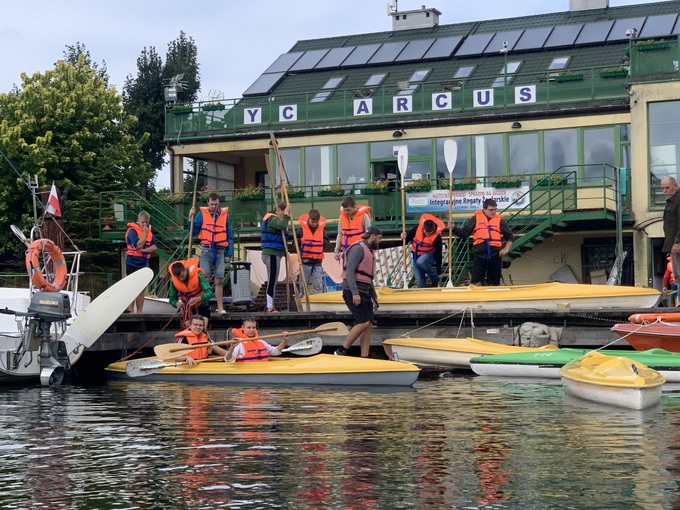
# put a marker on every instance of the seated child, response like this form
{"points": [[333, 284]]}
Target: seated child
{"points": [[252, 350]]}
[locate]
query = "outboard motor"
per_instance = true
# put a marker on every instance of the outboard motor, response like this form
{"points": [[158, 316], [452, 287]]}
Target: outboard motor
{"points": [[45, 309]]}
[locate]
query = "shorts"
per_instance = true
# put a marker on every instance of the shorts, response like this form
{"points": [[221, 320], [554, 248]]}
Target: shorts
{"points": [[132, 269], [363, 312], [206, 262]]}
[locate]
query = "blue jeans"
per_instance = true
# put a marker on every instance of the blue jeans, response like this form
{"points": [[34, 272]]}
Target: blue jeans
{"points": [[424, 265]]}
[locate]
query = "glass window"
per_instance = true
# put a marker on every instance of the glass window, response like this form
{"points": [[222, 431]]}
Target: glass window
{"points": [[524, 154], [598, 148], [409, 90], [375, 79], [420, 75], [487, 155], [320, 96], [559, 150], [352, 163], [319, 165], [464, 72], [334, 83], [559, 63], [387, 150], [460, 168], [512, 67], [506, 78], [291, 164]]}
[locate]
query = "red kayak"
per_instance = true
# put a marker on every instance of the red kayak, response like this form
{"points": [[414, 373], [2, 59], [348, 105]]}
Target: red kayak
{"points": [[661, 335]]}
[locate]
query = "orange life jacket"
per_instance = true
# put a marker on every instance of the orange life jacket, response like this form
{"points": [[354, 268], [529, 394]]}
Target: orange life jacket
{"points": [[132, 248], [487, 230], [311, 244], [669, 271], [253, 350], [192, 288], [366, 269], [199, 352], [214, 231], [352, 230], [425, 244]]}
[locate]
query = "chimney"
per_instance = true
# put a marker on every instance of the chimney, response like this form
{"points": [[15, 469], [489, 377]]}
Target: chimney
{"points": [[410, 20], [586, 5]]}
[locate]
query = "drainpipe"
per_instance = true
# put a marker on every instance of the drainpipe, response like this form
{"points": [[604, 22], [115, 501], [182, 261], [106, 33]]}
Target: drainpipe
{"points": [[171, 152]]}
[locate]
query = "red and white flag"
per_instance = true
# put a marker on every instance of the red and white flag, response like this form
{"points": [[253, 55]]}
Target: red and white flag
{"points": [[53, 203]]}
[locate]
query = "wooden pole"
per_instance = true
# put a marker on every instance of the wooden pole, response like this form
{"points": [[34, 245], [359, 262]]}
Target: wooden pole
{"points": [[193, 206]]}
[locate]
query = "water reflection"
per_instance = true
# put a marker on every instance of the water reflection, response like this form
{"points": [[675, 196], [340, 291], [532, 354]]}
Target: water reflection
{"points": [[462, 442]]}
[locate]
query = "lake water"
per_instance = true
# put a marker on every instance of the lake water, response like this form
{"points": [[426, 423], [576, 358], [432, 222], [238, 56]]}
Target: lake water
{"points": [[454, 442]]}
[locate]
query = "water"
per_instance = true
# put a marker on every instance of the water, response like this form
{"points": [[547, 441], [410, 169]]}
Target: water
{"points": [[459, 442]]}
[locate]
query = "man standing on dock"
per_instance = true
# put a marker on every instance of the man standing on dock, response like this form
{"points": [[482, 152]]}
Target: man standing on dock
{"points": [[141, 243], [488, 230], [671, 223]]}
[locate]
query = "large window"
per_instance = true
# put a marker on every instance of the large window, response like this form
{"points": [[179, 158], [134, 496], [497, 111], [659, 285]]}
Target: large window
{"points": [[352, 163], [598, 155], [487, 155], [460, 168], [559, 147], [319, 165], [524, 154], [291, 164], [664, 145]]}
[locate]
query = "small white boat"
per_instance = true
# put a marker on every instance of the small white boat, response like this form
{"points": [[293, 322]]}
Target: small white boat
{"points": [[612, 380], [450, 352]]}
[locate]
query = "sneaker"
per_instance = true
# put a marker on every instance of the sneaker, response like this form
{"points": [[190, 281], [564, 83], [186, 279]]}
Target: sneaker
{"points": [[394, 357], [222, 311], [341, 351], [271, 310]]}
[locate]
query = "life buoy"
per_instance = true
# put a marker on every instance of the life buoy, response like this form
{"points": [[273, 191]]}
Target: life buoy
{"points": [[35, 271], [642, 318]]}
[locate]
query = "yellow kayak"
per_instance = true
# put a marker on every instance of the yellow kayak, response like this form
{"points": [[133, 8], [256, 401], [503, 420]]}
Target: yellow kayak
{"points": [[613, 380], [451, 352], [320, 369], [544, 296]]}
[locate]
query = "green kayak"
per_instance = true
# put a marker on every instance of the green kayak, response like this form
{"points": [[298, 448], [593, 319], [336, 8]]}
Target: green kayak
{"points": [[546, 364]]}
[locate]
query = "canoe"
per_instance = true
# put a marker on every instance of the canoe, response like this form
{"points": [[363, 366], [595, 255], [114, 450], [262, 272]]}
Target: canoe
{"points": [[657, 335], [450, 352], [324, 369], [612, 380], [548, 363], [545, 296]]}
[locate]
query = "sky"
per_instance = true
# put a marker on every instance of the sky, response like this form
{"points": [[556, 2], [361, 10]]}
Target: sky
{"points": [[236, 40]]}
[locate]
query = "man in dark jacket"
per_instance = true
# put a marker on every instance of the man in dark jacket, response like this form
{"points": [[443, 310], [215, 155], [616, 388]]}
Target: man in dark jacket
{"points": [[671, 223]]}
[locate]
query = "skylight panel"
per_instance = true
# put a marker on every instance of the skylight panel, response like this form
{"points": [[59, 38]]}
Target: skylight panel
{"points": [[375, 80], [464, 72], [334, 83], [420, 75], [559, 63], [409, 90], [320, 97]]}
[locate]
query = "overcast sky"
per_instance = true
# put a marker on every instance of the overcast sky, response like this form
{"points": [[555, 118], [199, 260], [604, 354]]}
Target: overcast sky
{"points": [[236, 40]]}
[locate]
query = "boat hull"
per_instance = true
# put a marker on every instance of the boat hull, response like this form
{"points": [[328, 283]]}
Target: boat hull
{"points": [[612, 380], [322, 369], [450, 352], [547, 296], [658, 335], [547, 364]]}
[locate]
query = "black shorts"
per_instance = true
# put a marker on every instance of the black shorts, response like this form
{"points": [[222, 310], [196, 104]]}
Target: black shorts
{"points": [[363, 312]]}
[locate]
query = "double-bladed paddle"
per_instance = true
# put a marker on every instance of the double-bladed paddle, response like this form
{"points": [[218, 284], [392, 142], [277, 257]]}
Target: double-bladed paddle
{"points": [[142, 367], [169, 351]]}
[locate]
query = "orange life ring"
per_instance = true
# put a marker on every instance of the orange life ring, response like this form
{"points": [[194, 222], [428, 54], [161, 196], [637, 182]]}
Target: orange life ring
{"points": [[35, 271], [641, 318]]}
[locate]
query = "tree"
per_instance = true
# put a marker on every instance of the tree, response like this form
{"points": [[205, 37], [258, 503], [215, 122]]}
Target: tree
{"points": [[72, 52], [67, 126], [182, 58]]}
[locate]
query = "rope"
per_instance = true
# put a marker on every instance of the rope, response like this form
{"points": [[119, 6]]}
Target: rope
{"points": [[139, 349], [408, 333]]}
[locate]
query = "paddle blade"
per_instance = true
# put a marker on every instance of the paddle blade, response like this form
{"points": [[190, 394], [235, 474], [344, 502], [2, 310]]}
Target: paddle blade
{"points": [[142, 367], [402, 162], [450, 154], [333, 329], [307, 347]]}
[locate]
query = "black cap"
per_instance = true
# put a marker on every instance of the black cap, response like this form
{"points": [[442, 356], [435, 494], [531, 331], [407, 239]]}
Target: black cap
{"points": [[372, 231]]}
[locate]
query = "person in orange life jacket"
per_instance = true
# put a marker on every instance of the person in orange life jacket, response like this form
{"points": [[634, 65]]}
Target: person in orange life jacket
{"points": [[189, 287], [352, 224], [426, 246], [213, 227], [273, 248], [313, 242], [252, 350], [669, 282], [358, 291], [488, 230], [196, 334], [141, 243]]}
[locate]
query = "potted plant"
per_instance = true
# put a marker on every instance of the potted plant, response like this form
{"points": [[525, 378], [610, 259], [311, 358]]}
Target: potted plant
{"points": [[295, 191], [108, 222], [549, 180], [506, 181], [179, 109], [569, 76], [331, 190], [415, 185], [614, 72], [375, 187], [173, 198], [461, 183], [211, 107], [651, 44], [250, 193]]}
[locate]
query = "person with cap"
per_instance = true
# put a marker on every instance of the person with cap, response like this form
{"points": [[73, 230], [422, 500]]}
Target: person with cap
{"points": [[352, 223], [426, 245], [358, 291]]}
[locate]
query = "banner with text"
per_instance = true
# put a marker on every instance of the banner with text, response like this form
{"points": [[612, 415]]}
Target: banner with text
{"points": [[438, 200]]}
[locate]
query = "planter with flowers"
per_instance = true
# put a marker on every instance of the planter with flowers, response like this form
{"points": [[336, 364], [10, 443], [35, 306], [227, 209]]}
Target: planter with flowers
{"points": [[375, 188], [652, 44], [416, 185], [295, 192], [551, 180], [332, 190], [460, 183], [614, 72], [506, 181], [249, 193]]}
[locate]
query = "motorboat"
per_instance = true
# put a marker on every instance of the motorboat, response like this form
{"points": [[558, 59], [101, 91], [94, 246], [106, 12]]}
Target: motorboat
{"points": [[321, 369], [451, 352], [544, 296], [546, 364], [612, 380]]}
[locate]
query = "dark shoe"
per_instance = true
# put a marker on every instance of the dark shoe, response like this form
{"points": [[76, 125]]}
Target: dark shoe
{"points": [[341, 351]]}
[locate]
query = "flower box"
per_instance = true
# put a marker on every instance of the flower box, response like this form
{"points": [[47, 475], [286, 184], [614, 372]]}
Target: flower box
{"points": [[550, 181], [374, 191], [613, 74], [212, 107], [506, 184], [464, 185], [661, 45], [330, 193], [251, 197], [296, 194], [568, 77], [180, 111]]}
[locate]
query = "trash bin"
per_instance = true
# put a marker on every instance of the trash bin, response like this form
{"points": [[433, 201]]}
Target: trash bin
{"points": [[240, 283]]}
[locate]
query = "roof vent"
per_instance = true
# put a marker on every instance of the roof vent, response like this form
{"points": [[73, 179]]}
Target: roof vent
{"points": [[410, 20], [586, 5]]}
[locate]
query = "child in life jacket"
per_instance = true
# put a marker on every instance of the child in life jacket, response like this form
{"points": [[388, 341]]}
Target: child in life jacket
{"points": [[669, 282], [252, 350], [196, 334]]}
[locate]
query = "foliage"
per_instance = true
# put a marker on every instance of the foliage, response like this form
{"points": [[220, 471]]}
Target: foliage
{"points": [[380, 185], [66, 125], [335, 189], [172, 198], [72, 53], [418, 185], [615, 69], [549, 179], [502, 179], [249, 192], [182, 58]]}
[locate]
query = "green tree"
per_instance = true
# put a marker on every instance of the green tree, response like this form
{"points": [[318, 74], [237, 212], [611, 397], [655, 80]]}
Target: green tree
{"points": [[182, 58], [67, 126], [72, 52]]}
